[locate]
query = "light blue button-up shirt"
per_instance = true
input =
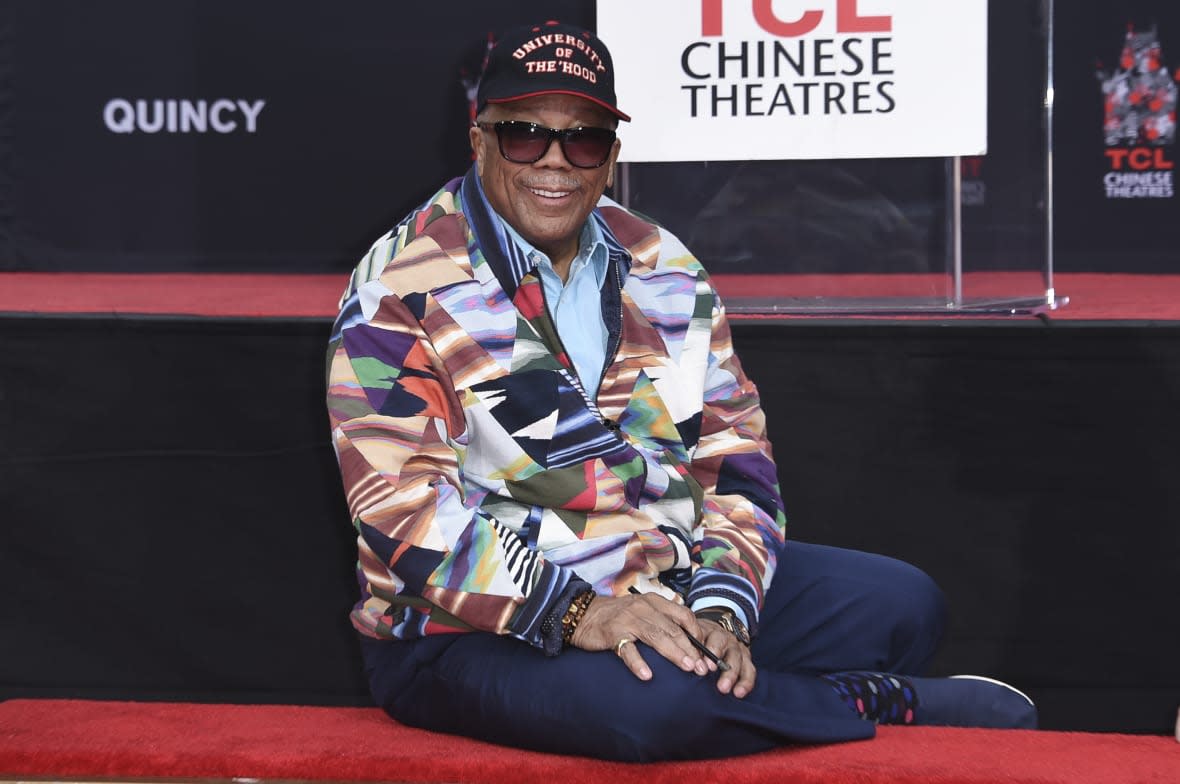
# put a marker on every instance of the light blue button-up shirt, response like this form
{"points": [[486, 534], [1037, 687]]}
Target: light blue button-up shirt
{"points": [[576, 305]]}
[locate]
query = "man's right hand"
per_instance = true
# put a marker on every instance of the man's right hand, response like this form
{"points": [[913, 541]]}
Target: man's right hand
{"points": [[649, 618]]}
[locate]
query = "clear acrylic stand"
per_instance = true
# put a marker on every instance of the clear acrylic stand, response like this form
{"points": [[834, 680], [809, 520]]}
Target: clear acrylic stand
{"points": [[1009, 279]]}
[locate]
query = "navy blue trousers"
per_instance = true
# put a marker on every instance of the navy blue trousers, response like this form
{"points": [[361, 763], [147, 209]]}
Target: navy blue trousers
{"points": [[827, 610]]}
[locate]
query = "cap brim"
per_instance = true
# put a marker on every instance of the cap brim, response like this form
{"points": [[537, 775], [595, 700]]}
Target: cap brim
{"points": [[603, 104]]}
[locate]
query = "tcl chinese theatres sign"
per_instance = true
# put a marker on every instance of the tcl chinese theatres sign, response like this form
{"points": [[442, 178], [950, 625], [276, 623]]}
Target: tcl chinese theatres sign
{"points": [[764, 79]]}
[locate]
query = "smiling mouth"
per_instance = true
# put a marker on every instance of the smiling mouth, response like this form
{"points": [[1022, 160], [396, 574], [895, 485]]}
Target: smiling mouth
{"points": [[550, 194]]}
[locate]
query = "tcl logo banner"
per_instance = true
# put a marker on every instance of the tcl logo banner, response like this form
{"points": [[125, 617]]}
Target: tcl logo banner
{"points": [[779, 79]]}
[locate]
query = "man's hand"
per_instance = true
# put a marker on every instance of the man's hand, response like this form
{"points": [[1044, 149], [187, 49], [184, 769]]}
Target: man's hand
{"points": [[663, 625], [649, 618], [741, 675]]}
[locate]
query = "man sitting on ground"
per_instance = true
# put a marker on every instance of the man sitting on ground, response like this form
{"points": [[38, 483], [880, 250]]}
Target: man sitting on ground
{"points": [[569, 525]]}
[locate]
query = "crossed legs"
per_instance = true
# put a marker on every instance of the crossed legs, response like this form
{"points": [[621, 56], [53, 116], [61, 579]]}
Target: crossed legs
{"points": [[827, 610]]}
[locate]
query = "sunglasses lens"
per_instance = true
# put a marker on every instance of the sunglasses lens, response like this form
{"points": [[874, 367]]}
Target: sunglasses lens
{"points": [[588, 148], [522, 142]]}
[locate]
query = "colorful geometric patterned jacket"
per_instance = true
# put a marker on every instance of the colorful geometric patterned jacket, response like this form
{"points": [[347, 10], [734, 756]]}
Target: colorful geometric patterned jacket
{"points": [[481, 479]]}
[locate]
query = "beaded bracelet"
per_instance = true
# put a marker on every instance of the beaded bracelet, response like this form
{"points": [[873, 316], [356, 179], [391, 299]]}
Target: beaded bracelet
{"points": [[573, 615]]}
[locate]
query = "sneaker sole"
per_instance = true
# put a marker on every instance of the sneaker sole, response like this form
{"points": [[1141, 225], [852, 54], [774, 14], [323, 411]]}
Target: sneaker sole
{"points": [[997, 683]]}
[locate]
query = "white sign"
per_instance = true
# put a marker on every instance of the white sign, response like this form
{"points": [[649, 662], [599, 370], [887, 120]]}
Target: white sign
{"points": [[709, 80]]}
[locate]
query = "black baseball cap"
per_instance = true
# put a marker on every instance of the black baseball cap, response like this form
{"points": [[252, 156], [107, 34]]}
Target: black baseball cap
{"points": [[546, 59]]}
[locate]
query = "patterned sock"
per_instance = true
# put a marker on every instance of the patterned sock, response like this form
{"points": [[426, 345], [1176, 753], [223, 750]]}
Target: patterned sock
{"points": [[877, 696]]}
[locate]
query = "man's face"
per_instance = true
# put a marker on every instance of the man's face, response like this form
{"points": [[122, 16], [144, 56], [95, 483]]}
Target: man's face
{"points": [[547, 201]]}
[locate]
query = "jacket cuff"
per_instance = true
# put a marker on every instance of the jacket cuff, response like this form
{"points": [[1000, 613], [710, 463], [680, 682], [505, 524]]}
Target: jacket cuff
{"points": [[551, 622], [528, 622], [711, 588]]}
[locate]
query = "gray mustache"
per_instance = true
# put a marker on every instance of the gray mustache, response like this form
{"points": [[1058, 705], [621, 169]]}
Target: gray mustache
{"points": [[553, 185]]}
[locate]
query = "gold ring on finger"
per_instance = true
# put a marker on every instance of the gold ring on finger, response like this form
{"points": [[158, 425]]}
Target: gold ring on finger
{"points": [[619, 645]]}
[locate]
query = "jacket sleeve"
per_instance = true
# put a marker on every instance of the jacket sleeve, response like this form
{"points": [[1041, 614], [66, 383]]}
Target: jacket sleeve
{"points": [[395, 240], [426, 557], [742, 525]]}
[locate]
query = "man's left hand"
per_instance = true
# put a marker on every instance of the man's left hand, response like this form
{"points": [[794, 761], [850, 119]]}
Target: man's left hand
{"points": [[740, 678]]}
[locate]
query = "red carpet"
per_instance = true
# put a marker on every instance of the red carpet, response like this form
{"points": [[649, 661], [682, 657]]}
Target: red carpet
{"points": [[1091, 296], [76, 739]]}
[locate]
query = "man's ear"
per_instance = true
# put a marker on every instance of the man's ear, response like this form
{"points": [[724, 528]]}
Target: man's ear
{"points": [[477, 138], [614, 156]]}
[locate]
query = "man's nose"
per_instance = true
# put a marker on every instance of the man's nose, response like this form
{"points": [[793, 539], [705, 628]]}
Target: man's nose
{"points": [[554, 157]]}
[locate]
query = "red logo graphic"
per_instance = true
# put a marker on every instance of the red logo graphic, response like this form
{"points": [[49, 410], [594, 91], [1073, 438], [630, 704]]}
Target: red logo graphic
{"points": [[848, 19], [1140, 105]]}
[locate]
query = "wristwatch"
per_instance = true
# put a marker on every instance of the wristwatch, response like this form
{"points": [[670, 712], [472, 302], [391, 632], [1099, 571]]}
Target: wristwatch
{"points": [[728, 620]]}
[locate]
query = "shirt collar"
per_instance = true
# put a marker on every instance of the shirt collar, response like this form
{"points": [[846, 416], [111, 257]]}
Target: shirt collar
{"points": [[592, 250]]}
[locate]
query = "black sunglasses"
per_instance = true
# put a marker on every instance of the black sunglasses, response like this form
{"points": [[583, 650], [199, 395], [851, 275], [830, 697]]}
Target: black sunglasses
{"points": [[526, 142]]}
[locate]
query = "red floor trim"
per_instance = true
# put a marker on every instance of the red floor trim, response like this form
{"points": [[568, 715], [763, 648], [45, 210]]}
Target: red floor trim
{"points": [[1091, 296]]}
